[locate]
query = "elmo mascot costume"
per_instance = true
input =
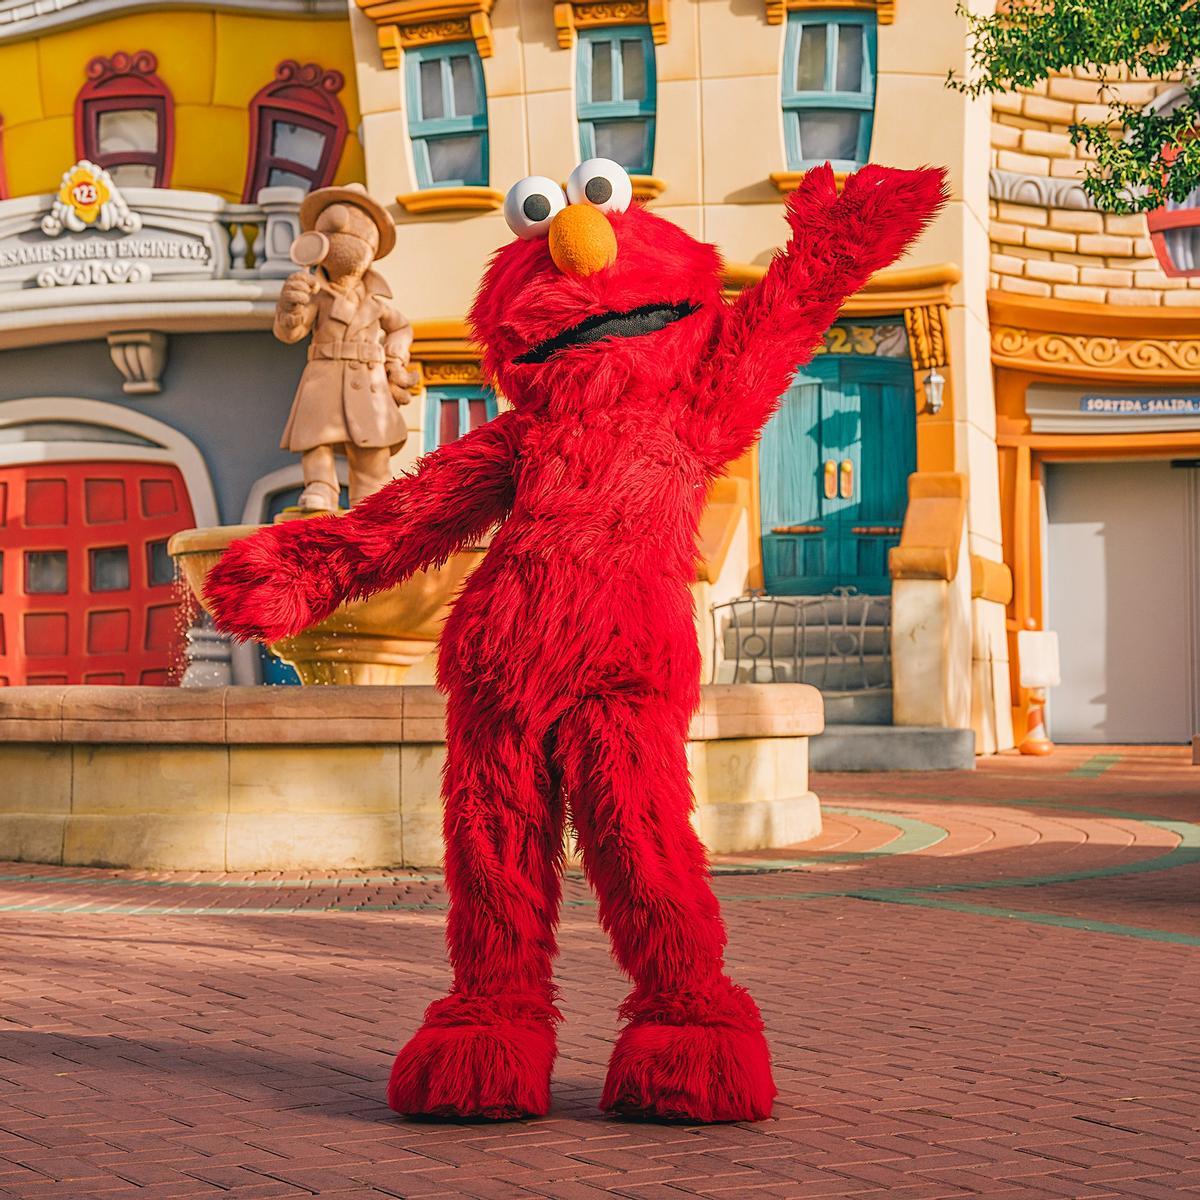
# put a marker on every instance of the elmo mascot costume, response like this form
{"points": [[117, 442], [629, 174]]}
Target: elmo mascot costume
{"points": [[569, 660]]}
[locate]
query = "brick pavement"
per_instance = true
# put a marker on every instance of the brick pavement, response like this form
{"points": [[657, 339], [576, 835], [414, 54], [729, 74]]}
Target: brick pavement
{"points": [[975, 985]]}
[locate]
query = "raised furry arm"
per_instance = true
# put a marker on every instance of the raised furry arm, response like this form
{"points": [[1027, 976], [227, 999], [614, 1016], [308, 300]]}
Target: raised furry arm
{"points": [[287, 577], [774, 327]]}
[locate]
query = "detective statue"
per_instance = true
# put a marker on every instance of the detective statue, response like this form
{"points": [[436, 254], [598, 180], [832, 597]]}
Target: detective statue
{"points": [[357, 372]]}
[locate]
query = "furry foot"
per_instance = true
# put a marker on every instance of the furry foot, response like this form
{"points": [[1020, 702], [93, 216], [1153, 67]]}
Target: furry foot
{"points": [[692, 1059], [487, 1057]]}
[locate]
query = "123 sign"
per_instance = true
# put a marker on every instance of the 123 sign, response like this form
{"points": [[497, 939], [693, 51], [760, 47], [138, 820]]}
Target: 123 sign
{"points": [[867, 339]]}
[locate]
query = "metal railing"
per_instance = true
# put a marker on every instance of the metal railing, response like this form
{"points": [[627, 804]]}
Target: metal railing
{"points": [[836, 642]]}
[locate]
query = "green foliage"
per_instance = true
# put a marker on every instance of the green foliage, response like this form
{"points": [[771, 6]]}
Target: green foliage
{"points": [[1142, 158]]}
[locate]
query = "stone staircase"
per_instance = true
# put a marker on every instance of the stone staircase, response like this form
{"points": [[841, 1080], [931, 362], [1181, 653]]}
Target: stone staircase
{"points": [[841, 645]]}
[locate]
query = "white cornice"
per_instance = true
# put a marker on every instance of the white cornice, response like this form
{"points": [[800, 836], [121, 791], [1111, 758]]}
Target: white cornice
{"points": [[41, 317], [27, 18]]}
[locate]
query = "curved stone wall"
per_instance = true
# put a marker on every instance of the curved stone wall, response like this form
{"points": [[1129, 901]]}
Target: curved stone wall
{"points": [[326, 778]]}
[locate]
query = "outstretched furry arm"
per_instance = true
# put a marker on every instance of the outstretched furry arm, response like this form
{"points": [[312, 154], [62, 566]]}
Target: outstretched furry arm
{"points": [[286, 577], [774, 327]]}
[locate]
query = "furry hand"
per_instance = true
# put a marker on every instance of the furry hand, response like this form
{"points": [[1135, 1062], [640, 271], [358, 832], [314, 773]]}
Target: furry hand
{"points": [[278, 581], [879, 212]]}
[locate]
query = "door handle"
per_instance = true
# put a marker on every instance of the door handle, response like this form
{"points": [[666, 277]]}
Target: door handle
{"points": [[846, 479], [831, 480]]}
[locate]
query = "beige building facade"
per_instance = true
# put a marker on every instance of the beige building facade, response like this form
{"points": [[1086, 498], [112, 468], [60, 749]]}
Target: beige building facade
{"points": [[734, 85]]}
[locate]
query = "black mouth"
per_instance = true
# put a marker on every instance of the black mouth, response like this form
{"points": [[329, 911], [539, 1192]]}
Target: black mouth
{"points": [[648, 318]]}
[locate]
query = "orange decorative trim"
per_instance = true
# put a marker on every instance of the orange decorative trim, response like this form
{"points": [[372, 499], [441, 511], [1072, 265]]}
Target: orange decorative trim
{"points": [[570, 15], [647, 187], [444, 354], [451, 199], [787, 182], [403, 24], [990, 580], [777, 10], [927, 335], [886, 293], [933, 527], [1137, 344]]}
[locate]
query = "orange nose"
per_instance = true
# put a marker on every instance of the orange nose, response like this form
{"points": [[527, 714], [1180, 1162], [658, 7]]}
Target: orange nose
{"points": [[582, 241]]}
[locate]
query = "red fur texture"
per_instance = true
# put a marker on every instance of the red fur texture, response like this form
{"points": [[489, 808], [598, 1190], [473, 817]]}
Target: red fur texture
{"points": [[570, 659]]}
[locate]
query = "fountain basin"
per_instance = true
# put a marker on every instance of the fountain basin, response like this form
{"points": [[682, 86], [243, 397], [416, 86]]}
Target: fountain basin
{"points": [[375, 641]]}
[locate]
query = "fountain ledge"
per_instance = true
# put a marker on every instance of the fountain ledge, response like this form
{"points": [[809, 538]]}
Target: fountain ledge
{"points": [[328, 778]]}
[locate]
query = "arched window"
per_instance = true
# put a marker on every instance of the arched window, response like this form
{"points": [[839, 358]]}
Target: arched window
{"points": [[1175, 228], [297, 129], [124, 120]]}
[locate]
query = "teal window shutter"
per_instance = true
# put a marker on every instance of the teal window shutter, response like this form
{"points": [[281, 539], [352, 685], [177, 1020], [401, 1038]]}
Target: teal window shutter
{"points": [[616, 84], [447, 115], [829, 88], [452, 411]]}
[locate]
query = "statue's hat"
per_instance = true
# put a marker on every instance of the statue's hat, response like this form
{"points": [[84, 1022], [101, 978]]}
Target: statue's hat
{"points": [[315, 203]]}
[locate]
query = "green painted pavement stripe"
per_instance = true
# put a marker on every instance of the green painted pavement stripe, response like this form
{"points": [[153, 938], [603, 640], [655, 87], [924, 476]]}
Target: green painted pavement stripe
{"points": [[1054, 919], [1096, 765], [913, 835]]}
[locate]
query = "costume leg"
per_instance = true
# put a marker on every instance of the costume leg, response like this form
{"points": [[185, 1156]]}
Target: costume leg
{"points": [[693, 1047], [369, 470], [486, 1050], [320, 480]]}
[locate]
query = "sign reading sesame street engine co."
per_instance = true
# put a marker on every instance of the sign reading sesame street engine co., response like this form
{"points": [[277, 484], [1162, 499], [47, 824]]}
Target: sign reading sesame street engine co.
{"points": [[91, 235]]}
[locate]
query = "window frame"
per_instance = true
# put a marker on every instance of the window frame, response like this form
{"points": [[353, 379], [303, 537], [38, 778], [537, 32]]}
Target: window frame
{"points": [[589, 112], [125, 82], [464, 394], [795, 102], [298, 95], [422, 130]]}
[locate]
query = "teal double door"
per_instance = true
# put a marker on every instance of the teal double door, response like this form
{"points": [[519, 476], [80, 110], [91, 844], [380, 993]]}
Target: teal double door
{"points": [[833, 475]]}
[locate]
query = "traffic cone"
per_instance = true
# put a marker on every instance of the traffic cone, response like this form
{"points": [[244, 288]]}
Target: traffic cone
{"points": [[1036, 741]]}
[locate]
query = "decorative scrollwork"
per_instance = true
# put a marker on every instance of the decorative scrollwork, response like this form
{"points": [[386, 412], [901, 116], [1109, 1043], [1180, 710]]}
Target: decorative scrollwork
{"points": [[926, 326], [76, 274], [452, 373], [311, 75], [403, 24], [570, 15], [100, 68], [1062, 353]]}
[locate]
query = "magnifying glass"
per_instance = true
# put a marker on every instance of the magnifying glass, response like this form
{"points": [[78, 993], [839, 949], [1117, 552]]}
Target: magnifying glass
{"points": [[309, 249]]}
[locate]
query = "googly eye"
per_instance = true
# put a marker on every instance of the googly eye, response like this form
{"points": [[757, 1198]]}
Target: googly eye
{"points": [[531, 204], [601, 183]]}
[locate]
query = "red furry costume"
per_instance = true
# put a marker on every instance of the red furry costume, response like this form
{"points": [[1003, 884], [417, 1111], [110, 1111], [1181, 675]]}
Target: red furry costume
{"points": [[570, 659]]}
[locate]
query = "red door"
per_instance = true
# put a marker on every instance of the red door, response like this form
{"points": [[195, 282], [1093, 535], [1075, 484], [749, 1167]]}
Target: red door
{"points": [[86, 585]]}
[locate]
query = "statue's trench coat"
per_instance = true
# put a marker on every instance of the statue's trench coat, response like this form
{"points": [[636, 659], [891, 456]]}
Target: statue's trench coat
{"points": [[344, 395]]}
